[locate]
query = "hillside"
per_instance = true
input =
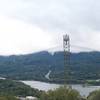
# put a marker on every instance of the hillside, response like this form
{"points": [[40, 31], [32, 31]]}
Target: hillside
{"points": [[84, 65], [15, 88]]}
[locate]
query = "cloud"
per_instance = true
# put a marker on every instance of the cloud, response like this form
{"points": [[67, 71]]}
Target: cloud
{"points": [[17, 37], [79, 18]]}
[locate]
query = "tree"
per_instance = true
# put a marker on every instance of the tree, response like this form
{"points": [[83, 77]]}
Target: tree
{"points": [[95, 95], [61, 93]]}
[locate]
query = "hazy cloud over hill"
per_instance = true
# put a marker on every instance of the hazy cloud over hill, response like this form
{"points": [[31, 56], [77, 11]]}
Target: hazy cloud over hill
{"points": [[79, 18]]}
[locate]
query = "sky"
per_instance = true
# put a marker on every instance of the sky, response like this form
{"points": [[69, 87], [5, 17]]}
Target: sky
{"points": [[28, 26]]}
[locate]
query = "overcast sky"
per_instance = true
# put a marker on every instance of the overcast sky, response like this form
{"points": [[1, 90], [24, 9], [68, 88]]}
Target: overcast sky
{"points": [[28, 26]]}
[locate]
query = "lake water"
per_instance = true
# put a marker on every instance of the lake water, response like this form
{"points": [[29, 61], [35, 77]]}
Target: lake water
{"points": [[84, 91]]}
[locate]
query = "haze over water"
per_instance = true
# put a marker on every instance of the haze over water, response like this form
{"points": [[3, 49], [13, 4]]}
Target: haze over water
{"points": [[84, 91]]}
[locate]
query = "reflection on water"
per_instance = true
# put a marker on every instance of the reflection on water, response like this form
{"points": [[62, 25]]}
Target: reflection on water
{"points": [[84, 91]]}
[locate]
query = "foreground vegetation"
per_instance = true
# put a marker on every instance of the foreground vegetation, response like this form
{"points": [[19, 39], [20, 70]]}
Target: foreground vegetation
{"points": [[62, 93], [67, 93], [10, 88], [95, 95], [7, 97]]}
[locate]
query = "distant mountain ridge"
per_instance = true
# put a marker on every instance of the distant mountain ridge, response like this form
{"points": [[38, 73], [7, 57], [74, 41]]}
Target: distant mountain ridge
{"points": [[84, 65]]}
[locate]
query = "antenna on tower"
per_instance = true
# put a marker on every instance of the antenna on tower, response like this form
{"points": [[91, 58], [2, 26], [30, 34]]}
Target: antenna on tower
{"points": [[66, 47]]}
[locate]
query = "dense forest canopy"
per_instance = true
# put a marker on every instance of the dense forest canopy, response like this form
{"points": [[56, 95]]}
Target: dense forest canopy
{"points": [[35, 66]]}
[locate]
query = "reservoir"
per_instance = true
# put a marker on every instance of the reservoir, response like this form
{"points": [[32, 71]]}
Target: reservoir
{"points": [[84, 91]]}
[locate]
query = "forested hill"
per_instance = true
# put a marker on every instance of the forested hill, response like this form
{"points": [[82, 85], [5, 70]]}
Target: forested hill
{"points": [[84, 65]]}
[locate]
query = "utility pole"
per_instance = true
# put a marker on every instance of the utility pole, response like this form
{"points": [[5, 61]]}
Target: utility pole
{"points": [[66, 47]]}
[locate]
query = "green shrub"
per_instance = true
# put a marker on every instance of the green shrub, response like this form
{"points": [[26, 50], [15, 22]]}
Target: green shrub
{"points": [[61, 93], [8, 97], [95, 95]]}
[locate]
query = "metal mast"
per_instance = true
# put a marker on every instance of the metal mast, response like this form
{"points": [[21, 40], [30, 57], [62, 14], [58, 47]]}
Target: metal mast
{"points": [[66, 47]]}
